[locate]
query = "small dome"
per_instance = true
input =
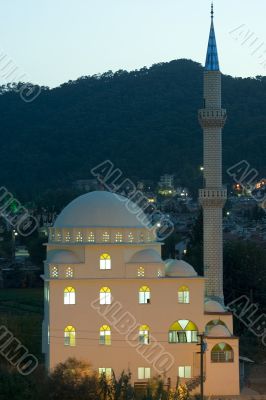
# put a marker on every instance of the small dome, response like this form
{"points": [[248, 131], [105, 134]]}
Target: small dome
{"points": [[219, 331], [62, 257], [101, 209], [213, 306], [176, 268], [146, 256]]}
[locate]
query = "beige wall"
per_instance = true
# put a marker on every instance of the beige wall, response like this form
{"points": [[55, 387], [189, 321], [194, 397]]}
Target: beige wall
{"points": [[163, 310], [222, 378]]}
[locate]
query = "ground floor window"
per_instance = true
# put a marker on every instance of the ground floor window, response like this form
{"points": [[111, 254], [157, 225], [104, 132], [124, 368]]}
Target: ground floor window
{"points": [[106, 371], [144, 373], [184, 372]]}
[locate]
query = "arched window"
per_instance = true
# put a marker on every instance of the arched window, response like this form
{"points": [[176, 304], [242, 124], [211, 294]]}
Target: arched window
{"points": [[144, 295], [213, 323], [105, 261], [144, 334], [70, 336], [222, 353], [105, 295], [105, 335], [183, 331], [69, 295], [141, 272], [69, 272], [183, 295]]}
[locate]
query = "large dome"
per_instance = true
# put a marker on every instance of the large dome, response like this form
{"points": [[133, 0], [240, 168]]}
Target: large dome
{"points": [[101, 209]]}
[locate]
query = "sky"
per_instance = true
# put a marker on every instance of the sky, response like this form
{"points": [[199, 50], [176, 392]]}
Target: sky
{"points": [[49, 42]]}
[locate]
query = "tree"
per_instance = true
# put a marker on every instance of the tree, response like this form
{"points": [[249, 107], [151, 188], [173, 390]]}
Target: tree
{"points": [[194, 254], [73, 380]]}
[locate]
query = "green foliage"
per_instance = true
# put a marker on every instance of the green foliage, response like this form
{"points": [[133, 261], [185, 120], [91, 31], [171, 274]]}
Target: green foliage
{"points": [[194, 254], [73, 380], [17, 308], [144, 121]]}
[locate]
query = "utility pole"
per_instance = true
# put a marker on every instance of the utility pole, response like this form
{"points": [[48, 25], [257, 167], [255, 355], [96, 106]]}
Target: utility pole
{"points": [[203, 348]]}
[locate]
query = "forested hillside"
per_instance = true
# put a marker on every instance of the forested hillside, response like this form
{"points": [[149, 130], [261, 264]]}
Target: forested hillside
{"points": [[144, 121]]}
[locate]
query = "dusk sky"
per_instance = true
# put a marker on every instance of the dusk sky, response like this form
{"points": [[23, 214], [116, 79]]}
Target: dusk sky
{"points": [[53, 41]]}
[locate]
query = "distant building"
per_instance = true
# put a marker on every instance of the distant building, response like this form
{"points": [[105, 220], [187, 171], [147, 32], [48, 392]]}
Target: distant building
{"points": [[167, 181], [86, 185]]}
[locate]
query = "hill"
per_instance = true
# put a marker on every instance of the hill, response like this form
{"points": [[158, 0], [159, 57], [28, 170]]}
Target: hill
{"points": [[144, 121]]}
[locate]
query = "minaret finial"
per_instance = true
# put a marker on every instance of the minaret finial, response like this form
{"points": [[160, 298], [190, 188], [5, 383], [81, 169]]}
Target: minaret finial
{"points": [[212, 11]]}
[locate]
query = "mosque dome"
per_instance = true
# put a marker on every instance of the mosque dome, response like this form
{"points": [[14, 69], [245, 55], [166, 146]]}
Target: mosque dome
{"points": [[219, 331], [213, 306], [176, 268], [101, 209], [146, 256]]}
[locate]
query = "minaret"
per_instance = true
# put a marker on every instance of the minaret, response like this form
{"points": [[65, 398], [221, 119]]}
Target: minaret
{"points": [[213, 197]]}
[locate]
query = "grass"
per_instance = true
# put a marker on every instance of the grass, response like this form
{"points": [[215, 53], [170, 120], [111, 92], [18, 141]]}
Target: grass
{"points": [[21, 311]]}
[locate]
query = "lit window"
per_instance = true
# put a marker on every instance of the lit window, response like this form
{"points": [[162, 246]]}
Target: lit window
{"points": [[68, 237], [59, 237], [144, 295], [222, 353], [184, 372], [149, 238], [106, 371], [91, 237], [118, 237], [52, 235], [69, 295], [159, 273], [141, 272], [183, 295], [79, 237], [144, 334], [54, 271], [183, 331], [105, 335], [105, 261], [144, 373], [70, 336], [105, 295], [69, 272], [130, 237], [106, 237], [141, 237]]}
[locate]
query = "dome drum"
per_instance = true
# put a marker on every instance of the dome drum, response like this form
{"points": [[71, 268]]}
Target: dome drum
{"points": [[95, 235]]}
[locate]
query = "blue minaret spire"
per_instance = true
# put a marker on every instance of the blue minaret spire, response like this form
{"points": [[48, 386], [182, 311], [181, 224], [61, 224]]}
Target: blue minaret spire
{"points": [[212, 60]]}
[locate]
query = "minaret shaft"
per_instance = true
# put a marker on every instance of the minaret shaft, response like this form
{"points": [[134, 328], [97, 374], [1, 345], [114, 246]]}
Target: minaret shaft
{"points": [[212, 198]]}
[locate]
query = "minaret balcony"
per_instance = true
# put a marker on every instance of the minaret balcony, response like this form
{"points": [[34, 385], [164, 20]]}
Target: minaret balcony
{"points": [[213, 197], [212, 117]]}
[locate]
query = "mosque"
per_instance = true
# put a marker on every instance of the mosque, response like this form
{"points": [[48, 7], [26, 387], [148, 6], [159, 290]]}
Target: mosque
{"points": [[111, 300]]}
